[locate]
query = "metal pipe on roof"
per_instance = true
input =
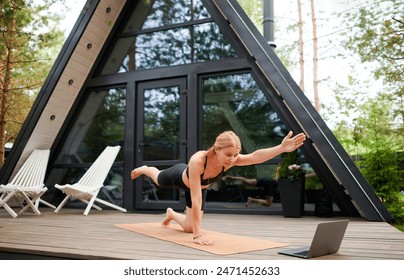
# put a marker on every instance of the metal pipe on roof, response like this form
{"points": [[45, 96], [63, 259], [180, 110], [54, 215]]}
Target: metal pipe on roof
{"points": [[268, 22]]}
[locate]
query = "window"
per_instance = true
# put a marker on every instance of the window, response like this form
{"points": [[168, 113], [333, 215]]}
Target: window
{"points": [[235, 102], [98, 124], [168, 33]]}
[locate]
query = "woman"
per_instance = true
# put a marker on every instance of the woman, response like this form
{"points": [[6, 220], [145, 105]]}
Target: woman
{"points": [[205, 168]]}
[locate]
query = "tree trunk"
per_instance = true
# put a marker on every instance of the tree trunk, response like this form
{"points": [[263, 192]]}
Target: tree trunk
{"points": [[2, 128], [315, 59], [301, 57], [5, 85]]}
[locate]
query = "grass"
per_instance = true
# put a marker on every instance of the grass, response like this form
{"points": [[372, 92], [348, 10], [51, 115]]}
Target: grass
{"points": [[401, 226]]}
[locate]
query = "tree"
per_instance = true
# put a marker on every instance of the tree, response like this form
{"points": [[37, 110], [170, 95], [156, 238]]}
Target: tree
{"points": [[381, 159], [375, 143], [28, 46], [254, 9], [376, 34], [315, 58], [301, 49]]}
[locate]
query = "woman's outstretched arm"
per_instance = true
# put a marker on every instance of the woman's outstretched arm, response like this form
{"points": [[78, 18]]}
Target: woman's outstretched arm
{"points": [[289, 144]]}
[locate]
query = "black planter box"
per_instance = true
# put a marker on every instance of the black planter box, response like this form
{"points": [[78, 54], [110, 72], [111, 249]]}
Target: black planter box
{"points": [[292, 198]]}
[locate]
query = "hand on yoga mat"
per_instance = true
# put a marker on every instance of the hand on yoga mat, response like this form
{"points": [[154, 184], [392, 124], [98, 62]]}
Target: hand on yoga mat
{"points": [[202, 241]]}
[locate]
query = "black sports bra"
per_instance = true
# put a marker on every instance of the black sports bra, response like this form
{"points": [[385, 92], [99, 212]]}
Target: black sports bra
{"points": [[208, 181]]}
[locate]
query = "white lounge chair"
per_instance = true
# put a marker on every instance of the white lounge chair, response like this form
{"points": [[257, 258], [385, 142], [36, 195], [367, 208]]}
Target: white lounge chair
{"points": [[88, 187], [27, 186]]}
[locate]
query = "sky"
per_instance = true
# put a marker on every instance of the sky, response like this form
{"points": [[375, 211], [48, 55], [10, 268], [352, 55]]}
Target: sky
{"points": [[74, 8]]}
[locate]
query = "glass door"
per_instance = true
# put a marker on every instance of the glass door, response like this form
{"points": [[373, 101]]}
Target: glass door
{"points": [[160, 139]]}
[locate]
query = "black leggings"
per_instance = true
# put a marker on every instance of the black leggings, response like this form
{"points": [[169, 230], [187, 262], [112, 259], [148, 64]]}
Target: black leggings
{"points": [[172, 178]]}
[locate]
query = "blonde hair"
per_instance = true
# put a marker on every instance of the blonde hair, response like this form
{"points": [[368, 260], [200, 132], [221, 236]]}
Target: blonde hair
{"points": [[226, 139]]}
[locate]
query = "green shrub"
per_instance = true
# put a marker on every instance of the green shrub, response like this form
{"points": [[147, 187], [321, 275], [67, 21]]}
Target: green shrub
{"points": [[381, 169]]}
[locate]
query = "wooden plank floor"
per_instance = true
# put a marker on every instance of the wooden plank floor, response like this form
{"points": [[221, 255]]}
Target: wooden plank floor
{"points": [[71, 235]]}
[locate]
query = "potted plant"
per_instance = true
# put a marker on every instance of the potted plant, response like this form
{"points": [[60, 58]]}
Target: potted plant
{"points": [[291, 181]]}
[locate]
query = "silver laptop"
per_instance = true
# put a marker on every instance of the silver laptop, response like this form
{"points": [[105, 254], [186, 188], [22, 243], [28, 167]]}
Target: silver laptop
{"points": [[327, 240]]}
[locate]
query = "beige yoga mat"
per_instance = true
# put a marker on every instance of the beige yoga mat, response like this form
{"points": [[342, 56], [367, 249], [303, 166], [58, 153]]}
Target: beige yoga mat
{"points": [[224, 244]]}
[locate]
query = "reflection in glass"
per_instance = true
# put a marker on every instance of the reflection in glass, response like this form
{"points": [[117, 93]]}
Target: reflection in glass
{"points": [[235, 102], [110, 192], [161, 123], [168, 12], [177, 46], [166, 33], [240, 183], [99, 123]]}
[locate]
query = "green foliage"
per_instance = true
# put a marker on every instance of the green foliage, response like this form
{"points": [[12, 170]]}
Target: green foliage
{"points": [[28, 47], [380, 145], [295, 172], [254, 9], [382, 172], [378, 28], [289, 159], [313, 183], [376, 34]]}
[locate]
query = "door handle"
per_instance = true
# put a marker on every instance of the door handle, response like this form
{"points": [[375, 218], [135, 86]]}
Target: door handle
{"points": [[140, 145]]}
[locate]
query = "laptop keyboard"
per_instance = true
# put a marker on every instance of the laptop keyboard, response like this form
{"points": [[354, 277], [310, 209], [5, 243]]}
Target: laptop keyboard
{"points": [[302, 253]]}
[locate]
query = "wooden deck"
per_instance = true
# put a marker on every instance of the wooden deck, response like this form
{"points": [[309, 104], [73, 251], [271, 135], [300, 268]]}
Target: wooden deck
{"points": [[70, 235]]}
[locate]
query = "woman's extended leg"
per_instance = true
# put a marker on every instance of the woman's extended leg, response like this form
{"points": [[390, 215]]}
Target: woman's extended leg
{"points": [[264, 202], [149, 171], [184, 220]]}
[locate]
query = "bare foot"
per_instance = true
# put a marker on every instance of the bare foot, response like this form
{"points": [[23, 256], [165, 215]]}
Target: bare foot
{"points": [[249, 200], [137, 172], [168, 218]]}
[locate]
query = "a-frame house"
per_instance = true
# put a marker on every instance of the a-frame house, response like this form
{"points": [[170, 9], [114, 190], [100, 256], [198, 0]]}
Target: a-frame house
{"points": [[162, 78]]}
